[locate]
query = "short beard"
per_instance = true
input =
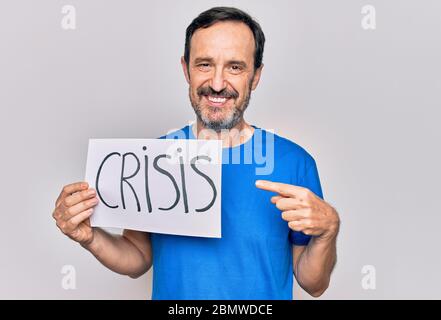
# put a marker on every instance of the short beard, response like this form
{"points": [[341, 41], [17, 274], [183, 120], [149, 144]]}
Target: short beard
{"points": [[225, 124]]}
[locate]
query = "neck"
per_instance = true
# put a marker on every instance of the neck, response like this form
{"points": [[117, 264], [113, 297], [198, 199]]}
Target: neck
{"points": [[235, 136]]}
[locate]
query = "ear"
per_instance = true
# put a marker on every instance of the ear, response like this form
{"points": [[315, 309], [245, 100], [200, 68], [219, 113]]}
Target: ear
{"points": [[256, 77], [185, 69]]}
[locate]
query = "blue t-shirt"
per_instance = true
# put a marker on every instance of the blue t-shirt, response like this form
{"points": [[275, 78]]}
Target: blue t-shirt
{"points": [[253, 259]]}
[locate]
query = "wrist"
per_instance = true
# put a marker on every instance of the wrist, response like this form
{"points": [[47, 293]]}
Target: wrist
{"points": [[92, 245], [328, 236], [331, 234]]}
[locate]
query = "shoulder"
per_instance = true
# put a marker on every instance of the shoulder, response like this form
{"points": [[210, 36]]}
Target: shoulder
{"points": [[286, 149]]}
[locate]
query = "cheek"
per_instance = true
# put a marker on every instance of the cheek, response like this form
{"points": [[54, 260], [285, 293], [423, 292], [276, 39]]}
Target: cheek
{"points": [[242, 86], [194, 91], [243, 92], [198, 78], [195, 84]]}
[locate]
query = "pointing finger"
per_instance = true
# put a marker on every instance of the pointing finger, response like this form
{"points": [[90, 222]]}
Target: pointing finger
{"points": [[283, 189]]}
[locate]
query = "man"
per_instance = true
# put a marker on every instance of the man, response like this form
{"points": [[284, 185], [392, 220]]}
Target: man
{"points": [[265, 240]]}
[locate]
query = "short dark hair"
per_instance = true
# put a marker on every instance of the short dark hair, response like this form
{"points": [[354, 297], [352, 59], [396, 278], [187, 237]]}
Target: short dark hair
{"points": [[216, 14]]}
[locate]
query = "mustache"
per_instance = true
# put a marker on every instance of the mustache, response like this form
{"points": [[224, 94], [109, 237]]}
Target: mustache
{"points": [[224, 93]]}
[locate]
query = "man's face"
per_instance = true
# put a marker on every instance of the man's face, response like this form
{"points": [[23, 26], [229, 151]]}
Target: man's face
{"points": [[221, 73]]}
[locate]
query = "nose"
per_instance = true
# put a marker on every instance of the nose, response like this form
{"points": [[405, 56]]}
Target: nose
{"points": [[217, 82]]}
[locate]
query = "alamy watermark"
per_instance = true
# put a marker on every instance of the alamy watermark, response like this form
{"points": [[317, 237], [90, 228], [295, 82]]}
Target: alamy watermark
{"points": [[369, 19], [69, 17], [253, 148], [369, 279], [69, 279]]}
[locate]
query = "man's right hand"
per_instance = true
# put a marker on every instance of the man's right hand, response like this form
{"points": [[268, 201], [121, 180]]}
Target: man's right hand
{"points": [[72, 210], [129, 253]]}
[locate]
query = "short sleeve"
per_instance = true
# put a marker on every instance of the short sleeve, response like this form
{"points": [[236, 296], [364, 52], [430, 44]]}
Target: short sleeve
{"points": [[310, 180]]}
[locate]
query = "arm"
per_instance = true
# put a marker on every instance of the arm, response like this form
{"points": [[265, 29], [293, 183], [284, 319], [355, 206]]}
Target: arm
{"points": [[129, 254], [313, 265], [305, 212]]}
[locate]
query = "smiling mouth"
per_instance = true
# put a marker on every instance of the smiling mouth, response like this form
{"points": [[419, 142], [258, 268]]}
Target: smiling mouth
{"points": [[216, 101]]}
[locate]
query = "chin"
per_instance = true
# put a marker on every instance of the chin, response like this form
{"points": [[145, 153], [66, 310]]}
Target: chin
{"points": [[218, 118]]}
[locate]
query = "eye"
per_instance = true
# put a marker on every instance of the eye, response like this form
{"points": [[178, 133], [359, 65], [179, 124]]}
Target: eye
{"points": [[236, 68], [203, 66]]}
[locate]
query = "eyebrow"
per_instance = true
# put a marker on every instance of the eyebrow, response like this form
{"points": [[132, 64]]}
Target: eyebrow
{"points": [[203, 59], [230, 62]]}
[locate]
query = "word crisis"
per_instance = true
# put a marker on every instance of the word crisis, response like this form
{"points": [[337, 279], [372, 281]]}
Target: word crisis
{"points": [[143, 168]]}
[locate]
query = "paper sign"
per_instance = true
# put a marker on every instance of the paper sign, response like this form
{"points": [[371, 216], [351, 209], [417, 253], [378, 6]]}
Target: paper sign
{"points": [[170, 186]]}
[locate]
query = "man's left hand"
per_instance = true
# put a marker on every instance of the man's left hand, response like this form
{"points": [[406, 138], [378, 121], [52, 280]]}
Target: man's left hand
{"points": [[303, 210]]}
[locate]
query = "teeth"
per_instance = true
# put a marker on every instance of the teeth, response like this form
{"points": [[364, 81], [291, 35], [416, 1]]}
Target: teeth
{"points": [[217, 100]]}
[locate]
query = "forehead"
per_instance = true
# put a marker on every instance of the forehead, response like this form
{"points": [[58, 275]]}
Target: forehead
{"points": [[226, 39]]}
